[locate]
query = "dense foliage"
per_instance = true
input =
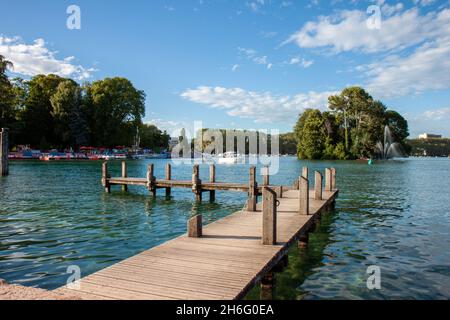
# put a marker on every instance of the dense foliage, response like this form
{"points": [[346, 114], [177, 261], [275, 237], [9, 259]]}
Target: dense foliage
{"points": [[288, 143], [437, 147], [49, 111], [351, 129]]}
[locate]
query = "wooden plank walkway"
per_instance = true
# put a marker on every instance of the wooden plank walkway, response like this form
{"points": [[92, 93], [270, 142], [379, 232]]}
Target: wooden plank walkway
{"points": [[224, 263]]}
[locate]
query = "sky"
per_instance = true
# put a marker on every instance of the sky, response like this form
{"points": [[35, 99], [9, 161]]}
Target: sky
{"points": [[252, 64]]}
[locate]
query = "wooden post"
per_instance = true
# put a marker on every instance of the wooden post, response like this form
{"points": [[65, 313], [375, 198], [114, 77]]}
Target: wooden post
{"points": [[151, 179], [195, 227], [328, 183], [212, 178], [333, 178], [269, 236], [4, 150], [304, 174], [318, 186], [196, 183], [266, 177], [279, 191], [252, 190], [303, 196], [303, 240], [168, 177], [105, 177], [267, 286], [124, 175]]}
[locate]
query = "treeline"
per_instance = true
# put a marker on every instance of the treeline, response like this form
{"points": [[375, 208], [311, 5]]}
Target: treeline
{"points": [[435, 147], [351, 129], [241, 141], [49, 111], [287, 143]]}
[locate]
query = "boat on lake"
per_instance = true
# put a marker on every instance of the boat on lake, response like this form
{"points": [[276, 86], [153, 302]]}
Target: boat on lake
{"points": [[229, 157]]}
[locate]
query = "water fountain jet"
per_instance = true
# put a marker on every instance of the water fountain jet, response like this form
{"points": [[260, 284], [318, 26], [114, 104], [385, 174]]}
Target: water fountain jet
{"points": [[389, 149]]}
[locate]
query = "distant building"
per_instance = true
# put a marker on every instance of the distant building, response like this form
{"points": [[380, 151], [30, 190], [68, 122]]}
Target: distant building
{"points": [[429, 136]]}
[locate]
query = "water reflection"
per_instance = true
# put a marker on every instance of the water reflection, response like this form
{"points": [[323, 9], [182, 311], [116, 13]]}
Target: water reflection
{"points": [[392, 214]]}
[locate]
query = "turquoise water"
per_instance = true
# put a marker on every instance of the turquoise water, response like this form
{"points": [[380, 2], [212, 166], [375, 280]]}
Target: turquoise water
{"points": [[394, 215]]}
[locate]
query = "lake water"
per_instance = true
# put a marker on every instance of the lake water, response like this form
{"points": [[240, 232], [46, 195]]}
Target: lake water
{"points": [[394, 215]]}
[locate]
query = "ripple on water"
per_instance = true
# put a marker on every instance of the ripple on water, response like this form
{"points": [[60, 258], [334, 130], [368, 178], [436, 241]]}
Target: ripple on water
{"points": [[53, 215]]}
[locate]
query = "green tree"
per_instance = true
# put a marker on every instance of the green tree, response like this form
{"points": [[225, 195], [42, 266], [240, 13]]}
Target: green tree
{"points": [[6, 94], [37, 115], [352, 103], [114, 109], [362, 120], [351, 130], [152, 137], [70, 123], [310, 134], [288, 143], [397, 124]]}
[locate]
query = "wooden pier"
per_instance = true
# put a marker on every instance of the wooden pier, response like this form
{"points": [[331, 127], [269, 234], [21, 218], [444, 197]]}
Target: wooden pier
{"points": [[222, 260], [4, 149]]}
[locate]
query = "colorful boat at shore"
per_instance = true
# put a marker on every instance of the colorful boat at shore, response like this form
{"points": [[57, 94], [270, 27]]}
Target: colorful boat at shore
{"points": [[52, 156], [25, 155]]}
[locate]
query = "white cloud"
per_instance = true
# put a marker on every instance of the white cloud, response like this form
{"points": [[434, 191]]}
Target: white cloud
{"points": [[438, 114], [262, 107], [347, 31], [235, 67], [36, 58], [431, 121], [301, 62], [252, 55], [423, 3], [426, 68], [389, 10], [173, 128], [415, 47]]}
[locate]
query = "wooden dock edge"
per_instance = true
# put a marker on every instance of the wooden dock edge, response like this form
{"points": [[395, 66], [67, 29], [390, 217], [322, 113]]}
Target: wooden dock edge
{"points": [[284, 250]]}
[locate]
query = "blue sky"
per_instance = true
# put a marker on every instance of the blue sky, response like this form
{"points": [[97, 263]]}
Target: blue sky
{"points": [[244, 64]]}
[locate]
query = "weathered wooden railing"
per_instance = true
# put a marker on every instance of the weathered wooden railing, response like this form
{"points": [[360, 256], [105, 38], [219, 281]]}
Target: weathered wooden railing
{"points": [[197, 186], [270, 203], [207, 262]]}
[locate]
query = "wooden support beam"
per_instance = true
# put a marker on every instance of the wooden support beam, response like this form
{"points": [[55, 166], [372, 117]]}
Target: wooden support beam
{"points": [[196, 183], [303, 240], [317, 185], [269, 236], [151, 179], [124, 175], [281, 265], [333, 178], [328, 178], [267, 286], [168, 177], [266, 176], [212, 178], [4, 150], [279, 191], [195, 227], [304, 174], [252, 190], [303, 196], [105, 177]]}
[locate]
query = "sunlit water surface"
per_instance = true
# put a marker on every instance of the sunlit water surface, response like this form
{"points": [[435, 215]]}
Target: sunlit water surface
{"points": [[394, 215]]}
